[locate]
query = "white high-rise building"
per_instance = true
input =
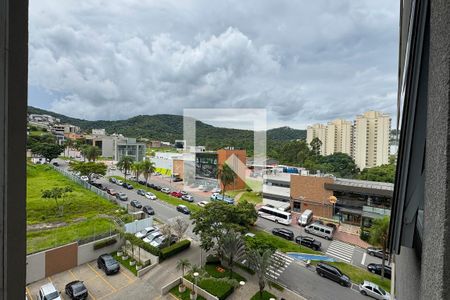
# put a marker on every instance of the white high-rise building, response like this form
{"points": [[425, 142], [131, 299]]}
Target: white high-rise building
{"points": [[317, 131], [339, 137], [371, 139]]}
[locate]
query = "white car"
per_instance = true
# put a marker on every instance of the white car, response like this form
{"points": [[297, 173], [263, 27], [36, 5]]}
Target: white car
{"points": [[119, 182], [371, 289], [113, 168], [216, 190], [150, 196], [202, 203], [146, 231], [165, 190], [84, 178], [48, 291], [150, 237], [201, 187]]}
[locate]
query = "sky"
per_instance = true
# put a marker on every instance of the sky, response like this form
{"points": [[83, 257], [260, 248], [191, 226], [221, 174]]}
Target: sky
{"points": [[302, 61]]}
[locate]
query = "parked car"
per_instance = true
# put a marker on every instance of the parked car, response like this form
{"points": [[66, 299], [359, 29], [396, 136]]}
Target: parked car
{"points": [[320, 230], [150, 196], [308, 242], [373, 290], [112, 179], [148, 210], [202, 203], [150, 185], [177, 179], [216, 190], [127, 186], [146, 231], [165, 190], [377, 268], [141, 182], [119, 182], [284, 233], [157, 187], [136, 204], [56, 164], [176, 194], [76, 290], [183, 209], [150, 237], [140, 192], [48, 292], [201, 187], [112, 192], [220, 197], [184, 193], [84, 178], [333, 273], [122, 196], [108, 264], [187, 198], [376, 252], [97, 185], [163, 241]]}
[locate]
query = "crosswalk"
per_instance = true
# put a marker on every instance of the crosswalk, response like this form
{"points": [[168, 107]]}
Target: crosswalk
{"points": [[341, 251], [283, 261]]}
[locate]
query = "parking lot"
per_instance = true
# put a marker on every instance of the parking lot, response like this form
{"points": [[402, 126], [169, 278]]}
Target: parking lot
{"points": [[98, 284]]}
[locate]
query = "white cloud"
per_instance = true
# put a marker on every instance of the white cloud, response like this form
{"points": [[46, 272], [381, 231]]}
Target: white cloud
{"points": [[304, 61]]}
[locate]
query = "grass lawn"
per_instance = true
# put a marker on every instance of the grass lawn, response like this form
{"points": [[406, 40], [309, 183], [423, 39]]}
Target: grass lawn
{"points": [[212, 270], [233, 193], [358, 275], [184, 296], [282, 244], [81, 210], [252, 197], [255, 185], [163, 197], [265, 296], [125, 263]]}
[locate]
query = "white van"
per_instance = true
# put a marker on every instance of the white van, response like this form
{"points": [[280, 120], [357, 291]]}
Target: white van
{"points": [[320, 230], [305, 218]]}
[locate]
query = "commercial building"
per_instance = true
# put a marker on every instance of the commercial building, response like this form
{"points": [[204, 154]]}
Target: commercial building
{"points": [[371, 134]]}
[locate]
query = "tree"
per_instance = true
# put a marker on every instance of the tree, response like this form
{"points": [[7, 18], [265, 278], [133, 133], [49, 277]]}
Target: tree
{"points": [[233, 248], [261, 264], [383, 173], [379, 234], [56, 193], [226, 176], [68, 144], [92, 153], [179, 227], [338, 164], [137, 168], [166, 231], [316, 145], [246, 213], [148, 167], [124, 164], [46, 150], [182, 265], [88, 168]]}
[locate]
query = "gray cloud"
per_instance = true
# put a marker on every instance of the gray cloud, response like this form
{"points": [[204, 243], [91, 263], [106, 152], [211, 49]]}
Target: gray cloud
{"points": [[304, 61]]}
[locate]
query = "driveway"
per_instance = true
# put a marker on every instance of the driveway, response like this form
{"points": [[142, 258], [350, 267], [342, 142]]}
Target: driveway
{"points": [[98, 284]]}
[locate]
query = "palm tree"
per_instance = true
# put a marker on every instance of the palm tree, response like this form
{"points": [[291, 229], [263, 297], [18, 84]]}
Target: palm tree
{"points": [[147, 169], [260, 262], [233, 248], [182, 265], [93, 152], [137, 168], [125, 164], [68, 144], [226, 176], [379, 234]]}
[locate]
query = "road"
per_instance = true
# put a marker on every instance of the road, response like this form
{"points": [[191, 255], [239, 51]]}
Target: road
{"points": [[295, 277]]}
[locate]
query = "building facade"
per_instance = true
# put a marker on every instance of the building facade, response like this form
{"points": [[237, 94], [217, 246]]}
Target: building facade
{"points": [[338, 137], [371, 134], [317, 131]]}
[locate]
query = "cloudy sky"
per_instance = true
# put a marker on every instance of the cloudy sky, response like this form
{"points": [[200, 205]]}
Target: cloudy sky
{"points": [[304, 61]]}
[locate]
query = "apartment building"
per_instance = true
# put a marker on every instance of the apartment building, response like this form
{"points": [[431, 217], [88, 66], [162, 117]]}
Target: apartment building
{"points": [[371, 133], [317, 131], [338, 137]]}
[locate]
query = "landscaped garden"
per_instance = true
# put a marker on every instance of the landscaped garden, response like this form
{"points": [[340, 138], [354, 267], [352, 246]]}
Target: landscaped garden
{"points": [[56, 219], [186, 295], [265, 296]]}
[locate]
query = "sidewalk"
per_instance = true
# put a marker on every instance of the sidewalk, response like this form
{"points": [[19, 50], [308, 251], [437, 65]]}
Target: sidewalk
{"points": [[350, 239]]}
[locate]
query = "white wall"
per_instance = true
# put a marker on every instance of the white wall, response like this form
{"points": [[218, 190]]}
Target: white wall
{"points": [[86, 252], [35, 267]]}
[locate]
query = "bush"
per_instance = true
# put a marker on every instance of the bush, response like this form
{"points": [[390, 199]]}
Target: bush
{"points": [[140, 243], [174, 249], [218, 288], [105, 243], [364, 235], [212, 259]]}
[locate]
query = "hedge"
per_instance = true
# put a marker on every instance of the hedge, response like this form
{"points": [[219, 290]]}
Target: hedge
{"points": [[174, 249], [140, 243], [215, 286], [105, 243]]}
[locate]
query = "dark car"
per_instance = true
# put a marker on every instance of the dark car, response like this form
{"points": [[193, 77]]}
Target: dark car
{"points": [[97, 185], [183, 209], [377, 268], [56, 164], [108, 264], [157, 187], [308, 242], [148, 210], [177, 179], [141, 182], [140, 192], [376, 252], [136, 203], [112, 179], [122, 196], [333, 273], [76, 290], [284, 233], [127, 185]]}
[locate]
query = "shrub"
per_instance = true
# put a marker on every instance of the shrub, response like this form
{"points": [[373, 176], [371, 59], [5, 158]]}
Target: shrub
{"points": [[364, 235], [212, 259], [218, 288], [105, 243], [174, 249], [140, 243]]}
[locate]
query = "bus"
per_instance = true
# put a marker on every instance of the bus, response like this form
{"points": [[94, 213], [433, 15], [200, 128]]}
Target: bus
{"points": [[274, 214]]}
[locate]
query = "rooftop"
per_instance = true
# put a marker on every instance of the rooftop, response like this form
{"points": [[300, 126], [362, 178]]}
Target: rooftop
{"points": [[365, 184]]}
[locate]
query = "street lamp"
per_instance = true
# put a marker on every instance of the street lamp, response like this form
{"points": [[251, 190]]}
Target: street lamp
{"points": [[195, 283], [241, 283]]}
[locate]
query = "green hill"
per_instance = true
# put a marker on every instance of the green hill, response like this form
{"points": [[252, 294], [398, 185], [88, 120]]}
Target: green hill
{"points": [[170, 128]]}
